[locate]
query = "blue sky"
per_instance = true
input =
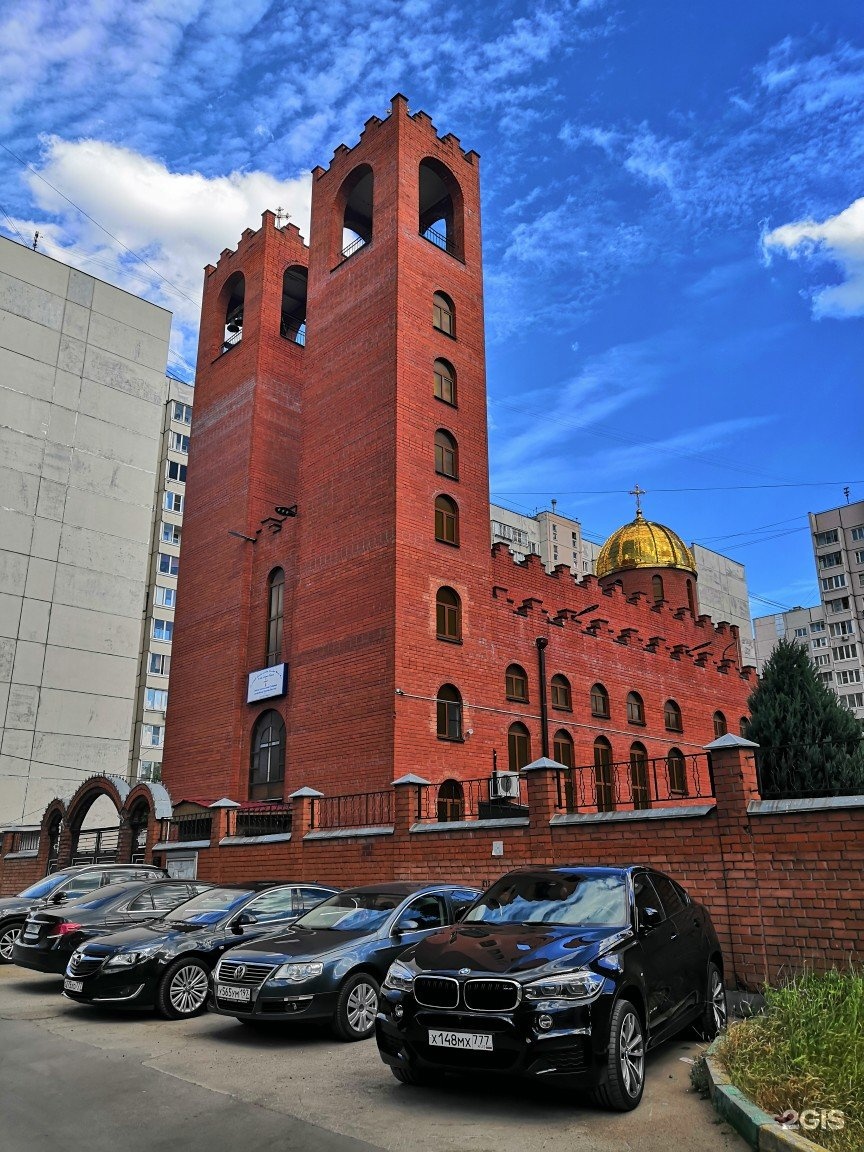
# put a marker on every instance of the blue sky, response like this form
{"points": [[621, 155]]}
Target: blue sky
{"points": [[673, 218]]}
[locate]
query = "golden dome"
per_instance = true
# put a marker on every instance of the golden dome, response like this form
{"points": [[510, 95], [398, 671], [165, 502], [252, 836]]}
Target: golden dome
{"points": [[641, 544]]}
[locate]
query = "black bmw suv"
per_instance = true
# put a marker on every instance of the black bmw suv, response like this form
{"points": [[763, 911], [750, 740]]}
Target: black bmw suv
{"points": [[557, 972]]}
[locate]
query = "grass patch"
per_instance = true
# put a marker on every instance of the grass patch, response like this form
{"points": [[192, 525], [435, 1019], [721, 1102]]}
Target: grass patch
{"points": [[806, 1051]]}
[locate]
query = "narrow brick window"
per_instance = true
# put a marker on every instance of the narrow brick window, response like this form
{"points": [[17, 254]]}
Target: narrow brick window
{"points": [[446, 520], [446, 454], [267, 764], [561, 697], [451, 802], [657, 588], [443, 314], [355, 206], [600, 702], [518, 747], [676, 767], [275, 616], [720, 726], [672, 717], [516, 683], [635, 708], [440, 207], [233, 295], [449, 713], [444, 382], [448, 615], [562, 748], [639, 789], [604, 779]]}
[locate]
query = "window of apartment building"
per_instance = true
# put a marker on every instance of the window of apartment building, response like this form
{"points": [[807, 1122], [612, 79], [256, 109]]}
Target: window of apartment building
{"points": [[817, 626], [172, 502], [825, 677], [600, 702], [822, 660], [516, 683], [829, 537], [820, 642], [448, 615], [449, 713], [800, 631], [165, 597], [561, 697], [575, 538], [444, 382], [168, 565], [518, 747], [857, 533], [845, 652], [275, 616], [859, 557], [443, 314], [830, 559], [842, 628], [446, 454], [162, 629], [508, 532], [672, 717], [159, 664], [853, 700], [849, 676], [150, 770], [446, 520], [554, 531], [170, 534], [841, 604], [829, 583], [156, 699], [182, 413], [861, 578], [176, 471], [635, 708], [151, 735], [179, 442]]}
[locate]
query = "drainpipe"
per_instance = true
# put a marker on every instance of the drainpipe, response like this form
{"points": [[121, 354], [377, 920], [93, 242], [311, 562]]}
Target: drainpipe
{"points": [[541, 643]]}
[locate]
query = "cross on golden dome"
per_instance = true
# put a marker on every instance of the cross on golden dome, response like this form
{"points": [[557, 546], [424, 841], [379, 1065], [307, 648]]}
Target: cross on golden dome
{"points": [[638, 493]]}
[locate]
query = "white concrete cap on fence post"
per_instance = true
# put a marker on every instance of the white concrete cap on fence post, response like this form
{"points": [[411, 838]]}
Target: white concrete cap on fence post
{"points": [[410, 778], [225, 803], [730, 740], [312, 793], [544, 762]]}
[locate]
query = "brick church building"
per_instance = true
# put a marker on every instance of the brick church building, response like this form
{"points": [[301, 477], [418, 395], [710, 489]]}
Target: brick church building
{"points": [[341, 619]]}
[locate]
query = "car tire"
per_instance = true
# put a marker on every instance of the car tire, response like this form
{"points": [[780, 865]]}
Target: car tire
{"points": [[415, 1077], [356, 1008], [183, 990], [625, 1062], [9, 933], [714, 1013]]}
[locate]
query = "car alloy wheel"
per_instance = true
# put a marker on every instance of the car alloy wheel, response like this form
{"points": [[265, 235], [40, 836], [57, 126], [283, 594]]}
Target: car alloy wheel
{"points": [[715, 1015], [356, 1008], [631, 1054], [183, 991], [625, 1060], [8, 936]]}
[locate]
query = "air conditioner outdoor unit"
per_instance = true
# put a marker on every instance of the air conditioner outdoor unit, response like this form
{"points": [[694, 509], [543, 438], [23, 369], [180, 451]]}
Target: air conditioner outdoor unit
{"points": [[504, 785]]}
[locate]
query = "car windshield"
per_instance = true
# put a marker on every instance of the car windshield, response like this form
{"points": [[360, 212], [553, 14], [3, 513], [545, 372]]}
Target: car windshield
{"points": [[44, 887], [594, 901], [352, 911], [209, 907]]}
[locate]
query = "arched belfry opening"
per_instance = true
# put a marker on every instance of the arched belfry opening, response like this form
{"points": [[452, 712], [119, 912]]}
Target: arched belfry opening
{"points": [[356, 198], [234, 294], [292, 325], [441, 207]]}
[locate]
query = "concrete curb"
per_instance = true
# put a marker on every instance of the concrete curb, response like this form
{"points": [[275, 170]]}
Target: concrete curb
{"points": [[757, 1127]]}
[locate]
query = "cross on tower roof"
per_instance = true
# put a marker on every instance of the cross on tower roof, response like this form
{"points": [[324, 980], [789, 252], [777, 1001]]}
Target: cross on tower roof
{"points": [[638, 493]]}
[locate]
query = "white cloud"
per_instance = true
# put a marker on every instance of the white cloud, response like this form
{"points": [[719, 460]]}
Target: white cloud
{"points": [[839, 239]]}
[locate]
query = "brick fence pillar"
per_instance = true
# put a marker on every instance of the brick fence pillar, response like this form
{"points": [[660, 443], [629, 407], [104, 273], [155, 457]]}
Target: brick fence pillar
{"points": [[733, 770], [407, 803], [303, 812], [542, 782], [222, 823]]}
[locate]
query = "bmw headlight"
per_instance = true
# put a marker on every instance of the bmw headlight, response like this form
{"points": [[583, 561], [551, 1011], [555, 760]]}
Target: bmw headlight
{"points": [[579, 985], [298, 973], [399, 977]]}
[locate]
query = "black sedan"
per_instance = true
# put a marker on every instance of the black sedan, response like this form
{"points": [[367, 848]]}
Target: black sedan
{"points": [[330, 964], [567, 973], [48, 939], [166, 964]]}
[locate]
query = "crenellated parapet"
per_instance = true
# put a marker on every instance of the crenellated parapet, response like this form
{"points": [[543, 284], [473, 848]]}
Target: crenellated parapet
{"points": [[287, 235]]}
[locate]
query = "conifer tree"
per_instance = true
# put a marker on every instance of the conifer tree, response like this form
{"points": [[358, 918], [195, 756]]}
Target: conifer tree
{"points": [[810, 743]]}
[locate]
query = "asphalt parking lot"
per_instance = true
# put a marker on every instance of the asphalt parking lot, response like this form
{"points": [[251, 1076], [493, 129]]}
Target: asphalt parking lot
{"points": [[73, 1075]]}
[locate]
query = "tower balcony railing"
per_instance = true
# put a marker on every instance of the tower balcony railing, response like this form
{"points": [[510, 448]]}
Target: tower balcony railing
{"points": [[296, 333], [230, 340], [440, 240], [353, 247]]}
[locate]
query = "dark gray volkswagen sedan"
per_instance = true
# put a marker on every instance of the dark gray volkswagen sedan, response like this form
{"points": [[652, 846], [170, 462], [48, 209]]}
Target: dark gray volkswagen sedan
{"points": [[330, 963]]}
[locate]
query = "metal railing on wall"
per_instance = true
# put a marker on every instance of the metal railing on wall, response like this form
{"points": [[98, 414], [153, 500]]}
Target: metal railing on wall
{"points": [[456, 800], [357, 810], [261, 820], [634, 784], [187, 829]]}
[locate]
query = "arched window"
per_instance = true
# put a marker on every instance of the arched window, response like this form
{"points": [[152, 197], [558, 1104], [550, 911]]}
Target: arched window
{"points": [[561, 697], [635, 708], [691, 598], [354, 204], [518, 747], [440, 215], [720, 726], [448, 615], [743, 726], [446, 455], [234, 293], [516, 683], [267, 764], [449, 713], [293, 322], [672, 717], [639, 789], [451, 802], [604, 779], [562, 748], [275, 616], [446, 520], [676, 766], [600, 702], [444, 382], [657, 589], [443, 314]]}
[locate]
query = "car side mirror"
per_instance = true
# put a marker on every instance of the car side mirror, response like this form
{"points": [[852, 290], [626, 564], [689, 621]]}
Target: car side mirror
{"points": [[649, 918], [59, 898], [241, 920], [406, 926]]}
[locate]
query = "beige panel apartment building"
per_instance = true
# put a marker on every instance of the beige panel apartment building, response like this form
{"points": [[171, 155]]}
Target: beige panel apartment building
{"points": [[83, 396]]}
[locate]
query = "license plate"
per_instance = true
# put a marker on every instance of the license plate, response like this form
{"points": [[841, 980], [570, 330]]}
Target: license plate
{"points": [[73, 985], [228, 992], [473, 1041]]}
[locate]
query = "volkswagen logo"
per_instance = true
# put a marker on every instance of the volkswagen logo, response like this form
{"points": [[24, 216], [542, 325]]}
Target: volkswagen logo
{"points": [[239, 971], [464, 971]]}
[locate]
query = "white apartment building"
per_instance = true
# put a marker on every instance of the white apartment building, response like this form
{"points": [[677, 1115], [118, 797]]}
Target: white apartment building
{"points": [[556, 539], [832, 631], [83, 436]]}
